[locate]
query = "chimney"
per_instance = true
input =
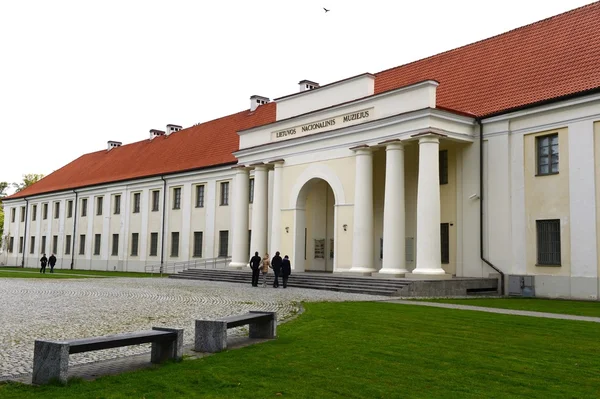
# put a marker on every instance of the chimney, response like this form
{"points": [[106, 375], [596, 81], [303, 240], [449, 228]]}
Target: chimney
{"points": [[155, 133], [113, 144], [306, 85], [256, 101], [172, 129]]}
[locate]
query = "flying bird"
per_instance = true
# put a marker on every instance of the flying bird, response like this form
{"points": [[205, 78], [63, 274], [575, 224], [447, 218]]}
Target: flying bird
{"points": [[326, 10]]}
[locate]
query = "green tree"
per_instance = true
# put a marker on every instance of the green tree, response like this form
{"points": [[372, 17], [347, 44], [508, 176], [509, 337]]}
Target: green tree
{"points": [[3, 187], [28, 180]]}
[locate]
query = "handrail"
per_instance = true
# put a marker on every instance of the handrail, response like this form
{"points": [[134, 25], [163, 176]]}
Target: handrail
{"points": [[199, 263]]}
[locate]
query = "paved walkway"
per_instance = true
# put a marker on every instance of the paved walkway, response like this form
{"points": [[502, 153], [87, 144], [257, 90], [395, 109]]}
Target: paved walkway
{"points": [[497, 310]]}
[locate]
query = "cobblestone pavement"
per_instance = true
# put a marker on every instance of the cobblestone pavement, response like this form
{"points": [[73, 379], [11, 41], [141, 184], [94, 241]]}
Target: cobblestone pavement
{"points": [[497, 310], [33, 309]]}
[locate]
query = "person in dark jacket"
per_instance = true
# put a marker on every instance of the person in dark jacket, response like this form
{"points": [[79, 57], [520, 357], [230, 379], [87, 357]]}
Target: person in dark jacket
{"points": [[52, 262], [43, 262], [255, 266], [276, 266], [286, 270]]}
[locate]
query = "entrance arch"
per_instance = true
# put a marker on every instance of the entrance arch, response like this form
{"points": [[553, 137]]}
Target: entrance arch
{"points": [[315, 223]]}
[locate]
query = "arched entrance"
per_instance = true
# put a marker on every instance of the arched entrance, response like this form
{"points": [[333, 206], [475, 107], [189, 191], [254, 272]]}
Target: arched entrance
{"points": [[315, 221]]}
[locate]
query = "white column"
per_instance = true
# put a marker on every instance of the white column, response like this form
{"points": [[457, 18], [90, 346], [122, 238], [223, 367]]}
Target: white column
{"points": [[394, 261], [429, 258], [276, 217], [362, 238], [239, 256], [259, 210]]}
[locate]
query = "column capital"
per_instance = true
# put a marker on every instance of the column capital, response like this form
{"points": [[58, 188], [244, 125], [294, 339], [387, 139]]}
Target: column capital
{"points": [[260, 166], [393, 144], [362, 149], [240, 169], [428, 137], [277, 163]]}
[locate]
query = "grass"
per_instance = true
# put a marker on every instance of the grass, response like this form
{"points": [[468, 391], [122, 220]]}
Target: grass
{"points": [[376, 350], [15, 272], [578, 308]]}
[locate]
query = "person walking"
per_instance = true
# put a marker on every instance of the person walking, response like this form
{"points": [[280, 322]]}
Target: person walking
{"points": [[52, 262], [43, 262], [286, 270], [255, 266], [276, 266], [265, 264]]}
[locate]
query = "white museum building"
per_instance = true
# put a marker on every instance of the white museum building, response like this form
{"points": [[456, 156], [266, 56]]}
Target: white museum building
{"points": [[483, 160]]}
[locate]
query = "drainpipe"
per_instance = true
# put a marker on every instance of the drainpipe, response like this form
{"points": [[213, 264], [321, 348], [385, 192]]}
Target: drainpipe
{"points": [[74, 232], [162, 238], [481, 197], [25, 232]]}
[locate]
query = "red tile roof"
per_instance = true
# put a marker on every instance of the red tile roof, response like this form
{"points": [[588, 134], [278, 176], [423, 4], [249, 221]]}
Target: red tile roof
{"points": [[549, 59]]}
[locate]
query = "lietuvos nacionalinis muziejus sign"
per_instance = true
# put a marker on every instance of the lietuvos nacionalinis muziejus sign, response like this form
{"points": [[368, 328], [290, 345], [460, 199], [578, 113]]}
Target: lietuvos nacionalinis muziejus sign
{"points": [[335, 122]]}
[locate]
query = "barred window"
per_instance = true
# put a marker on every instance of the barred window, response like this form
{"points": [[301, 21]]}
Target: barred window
{"points": [[32, 245], [224, 193], [21, 241], [223, 243], [174, 244], [153, 244], [547, 154], [68, 245], [197, 244], [251, 191], [548, 242], [54, 244], [445, 241], [81, 244], [97, 242], [135, 238], [443, 167], [136, 202], [11, 244], [115, 245], [43, 249]]}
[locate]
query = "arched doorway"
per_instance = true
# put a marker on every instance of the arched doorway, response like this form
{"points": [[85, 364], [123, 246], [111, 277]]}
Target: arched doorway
{"points": [[315, 232]]}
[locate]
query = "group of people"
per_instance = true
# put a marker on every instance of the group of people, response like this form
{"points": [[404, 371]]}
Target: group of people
{"points": [[281, 267], [47, 261]]}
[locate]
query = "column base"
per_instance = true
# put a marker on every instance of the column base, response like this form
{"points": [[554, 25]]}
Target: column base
{"points": [[237, 266], [399, 273], [363, 271], [426, 276]]}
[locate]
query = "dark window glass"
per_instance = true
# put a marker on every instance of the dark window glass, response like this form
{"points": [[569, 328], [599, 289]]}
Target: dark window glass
{"points": [[199, 196], [155, 199], [82, 244], [68, 245], [174, 244], [153, 244], [177, 198], [97, 242], [136, 202], [117, 204], [224, 193], [547, 154], [32, 245], [444, 167], [223, 243], [135, 237], [445, 241], [197, 244], [115, 245], [84, 207], [548, 242]]}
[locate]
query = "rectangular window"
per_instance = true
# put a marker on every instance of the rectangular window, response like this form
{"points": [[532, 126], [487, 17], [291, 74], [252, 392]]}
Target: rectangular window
{"points": [[200, 196], [250, 243], [223, 242], [115, 245], [409, 249], [32, 245], [197, 244], [11, 244], [444, 167], [381, 248], [45, 211], [547, 154], [136, 202], [13, 212], [97, 242], [153, 244], [84, 207], [224, 193], [117, 204], [43, 248], [445, 241], [21, 245], [54, 244], [548, 242], [22, 214], [70, 209], [82, 244], [56, 210], [135, 238], [68, 245], [251, 191], [177, 198], [99, 203], [155, 199], [174, 244], [33, 213]]}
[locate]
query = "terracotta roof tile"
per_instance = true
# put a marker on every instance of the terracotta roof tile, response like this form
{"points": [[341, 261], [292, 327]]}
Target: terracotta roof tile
{"points": [[548, 59]]}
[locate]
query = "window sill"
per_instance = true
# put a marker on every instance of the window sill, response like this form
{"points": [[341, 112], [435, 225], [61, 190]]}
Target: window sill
{"points": [[547, 265], [200, 206], [546, 174]]}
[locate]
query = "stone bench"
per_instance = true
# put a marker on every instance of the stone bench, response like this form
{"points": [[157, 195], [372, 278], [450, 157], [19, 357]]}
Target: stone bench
{"points": [[51, 358], [211, 335]]}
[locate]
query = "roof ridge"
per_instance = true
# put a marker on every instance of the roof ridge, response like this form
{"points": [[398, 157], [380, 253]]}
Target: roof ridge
{"points": [[528, 26]]}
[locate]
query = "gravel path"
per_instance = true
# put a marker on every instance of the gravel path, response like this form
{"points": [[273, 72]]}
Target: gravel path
{"points": [[33, 309]]}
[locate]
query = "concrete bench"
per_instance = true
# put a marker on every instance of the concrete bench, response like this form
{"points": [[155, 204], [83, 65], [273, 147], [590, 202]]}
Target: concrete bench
{"points": [[51, 358], [211, 335]]}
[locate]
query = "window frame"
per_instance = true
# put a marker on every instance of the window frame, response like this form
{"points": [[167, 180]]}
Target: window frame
{"points": [[445, 243], [43, 246], [174, 248], [45, 211], [538, 155], [69, 209], [555, 257], [13, 214], [153, 244], [176, 198], [97, 244], [32, 245], [22, 214], [68, 244], [99, 206], [137, 202], [81, 244], [155, 200], [34, 212], [443, 166], [224, 194], [117, 204], [251, 190], [135, 244], [197, 249], [200, 191], [114, 251], [84, 205], [225, 253], [57, 210]]}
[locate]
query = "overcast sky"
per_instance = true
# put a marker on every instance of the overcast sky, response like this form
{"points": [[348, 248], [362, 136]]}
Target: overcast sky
{"points": [[75, 74]]}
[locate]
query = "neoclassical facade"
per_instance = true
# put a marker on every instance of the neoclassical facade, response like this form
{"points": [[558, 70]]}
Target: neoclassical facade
{"points": [[460, 164]]}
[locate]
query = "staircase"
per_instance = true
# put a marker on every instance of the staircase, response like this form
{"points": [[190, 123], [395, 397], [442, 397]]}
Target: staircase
{"points": [[357, 285]]}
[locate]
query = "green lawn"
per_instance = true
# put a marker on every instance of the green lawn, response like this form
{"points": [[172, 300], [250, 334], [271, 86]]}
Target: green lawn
{"points": [[377, 350], [17, 272], [578, 308]]}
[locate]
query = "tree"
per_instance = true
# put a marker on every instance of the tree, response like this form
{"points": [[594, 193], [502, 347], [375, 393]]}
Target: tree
{"points": [[3, 187], [28, 180]]}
